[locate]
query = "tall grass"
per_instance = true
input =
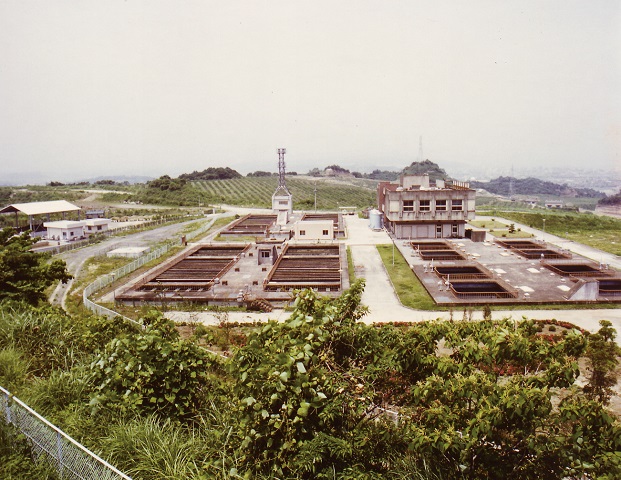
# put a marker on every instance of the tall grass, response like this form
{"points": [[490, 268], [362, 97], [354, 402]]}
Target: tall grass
{"points": [[14, 369], [47, 337]]}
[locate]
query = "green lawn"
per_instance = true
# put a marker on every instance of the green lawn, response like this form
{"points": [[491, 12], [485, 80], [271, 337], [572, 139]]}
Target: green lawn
{"points": [[499, 229], [603, 233], [493, 224], [408, 288]]}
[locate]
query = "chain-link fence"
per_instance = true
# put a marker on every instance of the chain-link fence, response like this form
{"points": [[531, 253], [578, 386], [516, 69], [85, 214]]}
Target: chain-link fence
{"points": [[65, 247], [71, 460], [106, 280]]}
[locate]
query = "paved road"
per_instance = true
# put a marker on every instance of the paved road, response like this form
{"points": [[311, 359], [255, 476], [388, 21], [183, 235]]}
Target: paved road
{"points": [[75, 259]]}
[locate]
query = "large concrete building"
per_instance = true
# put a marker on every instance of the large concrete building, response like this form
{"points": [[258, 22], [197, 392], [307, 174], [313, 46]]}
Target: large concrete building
{"points": [[416, 208]]}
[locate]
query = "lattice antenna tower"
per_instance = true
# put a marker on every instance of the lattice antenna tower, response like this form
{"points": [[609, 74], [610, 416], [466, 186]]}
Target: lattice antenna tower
{"points": [[420, 148], [511, 184], [281, 170]]}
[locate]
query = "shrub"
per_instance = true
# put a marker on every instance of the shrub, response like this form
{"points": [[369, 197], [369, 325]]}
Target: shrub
{"points": [[153, 370]]}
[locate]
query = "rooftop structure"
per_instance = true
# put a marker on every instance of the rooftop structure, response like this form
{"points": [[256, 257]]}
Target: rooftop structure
{"points": [[416, 208], [34, 209]]}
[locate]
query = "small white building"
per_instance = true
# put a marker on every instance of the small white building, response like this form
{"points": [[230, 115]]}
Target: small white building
{"points": [[314, 230], [64, 230], [96, 225]]}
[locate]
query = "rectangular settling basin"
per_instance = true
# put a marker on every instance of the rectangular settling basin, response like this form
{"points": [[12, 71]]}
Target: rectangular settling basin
{"points": [[429, 246], [480, 289], [460, 272], [610, 287], [441, 255], [519, 244], [574, 269], [536, 253]]}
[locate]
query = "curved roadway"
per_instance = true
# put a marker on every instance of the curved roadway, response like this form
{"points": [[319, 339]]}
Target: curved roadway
{"points": [[75, 259]]}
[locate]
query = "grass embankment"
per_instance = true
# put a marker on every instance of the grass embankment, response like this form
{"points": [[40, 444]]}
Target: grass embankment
{"points": [[520, 202], [603, 233], [101, 265], [350, 266], [408, 288]]}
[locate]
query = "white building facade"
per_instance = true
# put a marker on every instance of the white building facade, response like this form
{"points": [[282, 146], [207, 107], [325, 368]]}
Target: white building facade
{"points": [[417, 208]]}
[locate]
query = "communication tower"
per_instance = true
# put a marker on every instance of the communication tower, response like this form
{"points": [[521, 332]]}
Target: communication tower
{"points": [[282, 201]]}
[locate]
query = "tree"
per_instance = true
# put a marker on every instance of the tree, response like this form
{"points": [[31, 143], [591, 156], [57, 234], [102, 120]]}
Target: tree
{"points": [[428, 167], [211, 173], [260, 173], [602, 353], [24, 274], [299, 407]]}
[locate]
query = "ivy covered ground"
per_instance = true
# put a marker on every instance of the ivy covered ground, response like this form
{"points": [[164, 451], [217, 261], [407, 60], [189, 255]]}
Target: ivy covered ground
{"points": [[320, 395]]}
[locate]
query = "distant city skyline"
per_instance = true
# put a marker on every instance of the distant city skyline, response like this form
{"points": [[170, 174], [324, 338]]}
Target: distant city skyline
{"points": [[149, 88]]}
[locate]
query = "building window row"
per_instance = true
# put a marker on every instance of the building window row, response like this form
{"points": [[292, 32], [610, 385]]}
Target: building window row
{"points": [[425, 205]]}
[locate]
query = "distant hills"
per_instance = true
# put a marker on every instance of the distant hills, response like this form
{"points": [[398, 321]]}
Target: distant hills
{"points": [[533, 186]]}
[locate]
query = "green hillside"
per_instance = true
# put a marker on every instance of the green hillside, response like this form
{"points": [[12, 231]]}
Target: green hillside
{"points": [[257, 192]]}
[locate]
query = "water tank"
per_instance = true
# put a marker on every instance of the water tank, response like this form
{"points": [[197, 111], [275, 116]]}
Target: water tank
{"points": [[375, 219]]}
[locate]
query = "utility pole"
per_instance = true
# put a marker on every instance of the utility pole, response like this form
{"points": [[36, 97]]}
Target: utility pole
{"points": [[315, 190]]}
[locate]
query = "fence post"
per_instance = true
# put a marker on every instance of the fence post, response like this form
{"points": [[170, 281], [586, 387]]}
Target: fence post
{"points": [[8, 408]]}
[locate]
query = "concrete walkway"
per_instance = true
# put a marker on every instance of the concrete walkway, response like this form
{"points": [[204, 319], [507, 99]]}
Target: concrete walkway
{"points": [[384, 306]]}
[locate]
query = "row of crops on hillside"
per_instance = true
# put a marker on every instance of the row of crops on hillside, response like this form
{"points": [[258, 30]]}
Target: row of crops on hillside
{"points": [[257, 192]]}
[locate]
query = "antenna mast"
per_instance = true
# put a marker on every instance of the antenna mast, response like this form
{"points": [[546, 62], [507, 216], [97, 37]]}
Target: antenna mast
{"points": [[281, 170]]}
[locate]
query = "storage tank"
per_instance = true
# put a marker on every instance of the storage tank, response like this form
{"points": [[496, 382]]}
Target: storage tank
{"points": [[375, 219]]}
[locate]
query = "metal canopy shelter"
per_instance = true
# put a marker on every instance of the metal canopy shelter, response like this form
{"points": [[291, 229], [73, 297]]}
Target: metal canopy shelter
{"points": [[40, 208]]}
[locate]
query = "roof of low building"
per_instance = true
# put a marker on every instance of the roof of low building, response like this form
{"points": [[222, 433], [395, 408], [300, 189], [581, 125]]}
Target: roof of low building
{"points": [[40, 208], [64, 224], [97, 221]]}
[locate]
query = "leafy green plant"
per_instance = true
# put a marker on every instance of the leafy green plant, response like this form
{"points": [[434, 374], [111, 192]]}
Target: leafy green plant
{"points": [[602, 353], [154, 371]]}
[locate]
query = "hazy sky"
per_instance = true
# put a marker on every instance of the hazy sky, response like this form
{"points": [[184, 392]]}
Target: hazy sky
{"points": [[152, 87]]}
